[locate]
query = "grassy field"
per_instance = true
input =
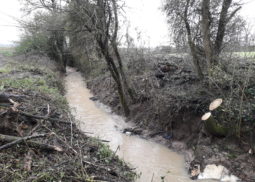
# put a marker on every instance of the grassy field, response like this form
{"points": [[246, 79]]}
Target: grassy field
{"points": [[7, 51], [245, 54], [235, 54]]}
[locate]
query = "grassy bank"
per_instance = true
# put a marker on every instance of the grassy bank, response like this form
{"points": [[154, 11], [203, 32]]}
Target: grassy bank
{"points": [[38, 108]]}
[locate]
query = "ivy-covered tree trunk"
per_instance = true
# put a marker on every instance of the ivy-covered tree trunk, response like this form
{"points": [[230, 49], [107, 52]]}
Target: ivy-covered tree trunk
{"points": [[57, 49], [116, 76]]}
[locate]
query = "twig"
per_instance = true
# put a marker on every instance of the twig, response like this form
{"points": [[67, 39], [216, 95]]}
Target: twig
{"points": [[97, 166], [2, 113], [16, 140], [105, 141], [19, 140], [70, 147], [109, 170], [43, 117], [103, 179], [33, 129], [152, 177], [48, 110], [71, 121], [114, 154]]}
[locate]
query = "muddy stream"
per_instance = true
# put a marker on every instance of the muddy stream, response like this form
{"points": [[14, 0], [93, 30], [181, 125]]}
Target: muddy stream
{"points": [[151, 159]]}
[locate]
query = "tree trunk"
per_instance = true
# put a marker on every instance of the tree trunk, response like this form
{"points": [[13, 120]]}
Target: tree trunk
{"points": [[59, 44], [192, 46], [222, 27], [123, 75], [116, 76], [195, 59], [116, 51], [206, 34]]}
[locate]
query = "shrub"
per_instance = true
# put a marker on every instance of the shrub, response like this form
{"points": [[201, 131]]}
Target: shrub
{"points": [[35, 42]]}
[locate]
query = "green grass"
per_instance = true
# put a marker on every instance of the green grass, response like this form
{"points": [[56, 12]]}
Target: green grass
{"points": [[46, 83], [7, 51], [104, 152], [6, 69], [37, 84], [245, 54]]}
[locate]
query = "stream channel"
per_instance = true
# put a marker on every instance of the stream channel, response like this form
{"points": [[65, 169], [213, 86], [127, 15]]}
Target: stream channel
{"points": [[151, 160]]}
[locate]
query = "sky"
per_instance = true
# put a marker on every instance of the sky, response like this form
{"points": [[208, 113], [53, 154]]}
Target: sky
{"points": [[144, 17], [9, 10]]}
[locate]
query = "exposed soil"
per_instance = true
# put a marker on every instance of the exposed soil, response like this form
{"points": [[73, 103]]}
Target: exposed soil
{"points": [[40, 108], [170, 102]]}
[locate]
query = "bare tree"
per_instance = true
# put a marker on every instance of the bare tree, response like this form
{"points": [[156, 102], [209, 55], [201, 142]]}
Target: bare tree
{"points": [[114, 44], [97, 19], [100, 19], [205, 23]]}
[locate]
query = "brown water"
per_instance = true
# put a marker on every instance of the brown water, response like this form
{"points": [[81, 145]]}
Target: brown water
{"points": [[150, 159]]}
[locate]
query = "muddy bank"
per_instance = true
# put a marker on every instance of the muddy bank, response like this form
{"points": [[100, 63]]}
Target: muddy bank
{"points": [[56, 150], [169, 108]]}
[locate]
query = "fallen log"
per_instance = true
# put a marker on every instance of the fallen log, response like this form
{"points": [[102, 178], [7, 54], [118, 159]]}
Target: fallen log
{"points": [[16, 96], [13, 140], [4, 99]]}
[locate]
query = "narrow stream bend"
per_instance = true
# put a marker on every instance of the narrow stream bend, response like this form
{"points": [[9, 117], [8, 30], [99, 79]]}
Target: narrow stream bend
{"points": [[150, 159]]}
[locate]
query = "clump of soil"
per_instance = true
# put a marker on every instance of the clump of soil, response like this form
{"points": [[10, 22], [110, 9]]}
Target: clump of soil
{"points": [[170, 103], [60, 152]]}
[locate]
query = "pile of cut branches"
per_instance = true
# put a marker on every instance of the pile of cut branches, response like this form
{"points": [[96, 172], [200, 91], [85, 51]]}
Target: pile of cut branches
{"points": [[39, 140]]}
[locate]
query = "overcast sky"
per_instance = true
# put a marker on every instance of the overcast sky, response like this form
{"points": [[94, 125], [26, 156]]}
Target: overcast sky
{"points": [[144, 16], [8, 8]]}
